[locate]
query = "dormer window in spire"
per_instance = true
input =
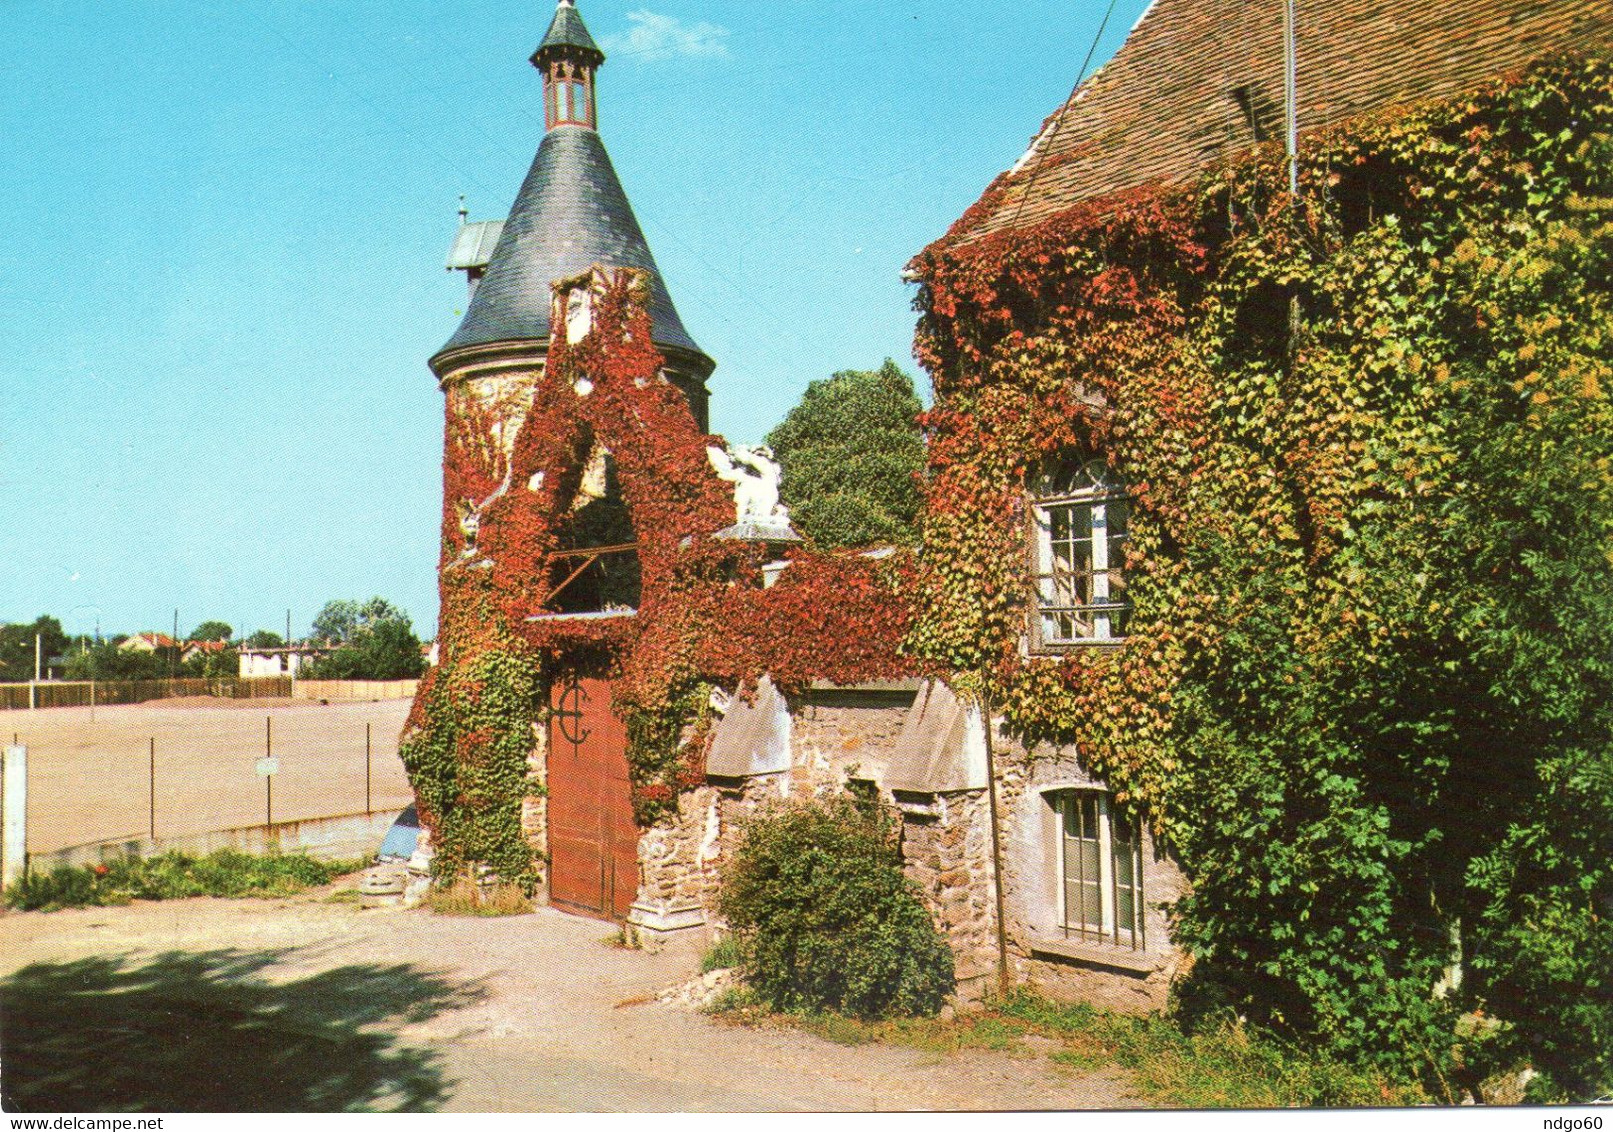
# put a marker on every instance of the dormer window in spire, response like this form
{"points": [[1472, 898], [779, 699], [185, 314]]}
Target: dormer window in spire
{"points": [[571, 94]]}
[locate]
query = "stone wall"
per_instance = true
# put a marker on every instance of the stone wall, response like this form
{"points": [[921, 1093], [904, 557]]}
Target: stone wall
{"points": [[535, 807], [679, 858], [840, 733], [946, 849]]}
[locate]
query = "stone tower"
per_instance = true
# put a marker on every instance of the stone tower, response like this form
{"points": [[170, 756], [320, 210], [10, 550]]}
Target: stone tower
{"points": [[570, 215]]}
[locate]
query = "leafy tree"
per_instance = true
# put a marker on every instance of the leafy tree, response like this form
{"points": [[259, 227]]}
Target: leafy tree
{"points": [[213, 665], [17, 646], [384, 650], [264, 639], [341, 619], [824, 918], [106, 661], [850, 453], [212, 631]]}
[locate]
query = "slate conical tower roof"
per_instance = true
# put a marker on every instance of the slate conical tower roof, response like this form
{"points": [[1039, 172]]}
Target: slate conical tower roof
{"points": [[570, 214], [568, 30]]}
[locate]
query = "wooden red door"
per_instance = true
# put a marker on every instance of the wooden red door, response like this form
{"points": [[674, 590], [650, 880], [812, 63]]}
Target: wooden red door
{"points": [[593, 840]]}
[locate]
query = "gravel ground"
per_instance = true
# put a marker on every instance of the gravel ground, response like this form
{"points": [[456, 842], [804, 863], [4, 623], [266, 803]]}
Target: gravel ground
{"points": [[313, 1005]]}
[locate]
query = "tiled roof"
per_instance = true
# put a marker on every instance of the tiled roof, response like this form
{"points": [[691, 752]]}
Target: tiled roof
{"points": [[571, 213], [1199, 81], [149, 641]]}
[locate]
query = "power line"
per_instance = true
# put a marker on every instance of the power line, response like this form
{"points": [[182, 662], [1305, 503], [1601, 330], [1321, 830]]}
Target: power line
{"points": [[1058, 124]]}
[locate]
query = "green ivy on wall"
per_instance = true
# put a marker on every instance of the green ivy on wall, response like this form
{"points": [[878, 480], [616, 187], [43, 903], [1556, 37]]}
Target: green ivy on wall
{"points": [[1365, 694]]}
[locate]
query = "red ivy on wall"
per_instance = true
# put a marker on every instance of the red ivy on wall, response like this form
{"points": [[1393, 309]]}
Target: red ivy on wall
{"points": [[702, 617]]}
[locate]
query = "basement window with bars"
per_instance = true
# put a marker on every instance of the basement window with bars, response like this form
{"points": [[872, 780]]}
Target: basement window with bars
{"points": [[1079, 531], [1100, 866]]}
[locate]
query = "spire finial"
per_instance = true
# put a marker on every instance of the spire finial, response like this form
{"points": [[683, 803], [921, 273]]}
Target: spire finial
{"points": [[464, 213]]}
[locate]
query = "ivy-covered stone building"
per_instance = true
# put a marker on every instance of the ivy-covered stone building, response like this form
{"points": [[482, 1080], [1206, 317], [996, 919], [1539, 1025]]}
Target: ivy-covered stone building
{"points": [[1237, 372], [1199, 375]]}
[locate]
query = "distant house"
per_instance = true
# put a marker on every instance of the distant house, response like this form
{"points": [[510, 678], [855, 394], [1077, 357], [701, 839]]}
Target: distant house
{"points": [[148, 642], [282, 661], [202, 648]]}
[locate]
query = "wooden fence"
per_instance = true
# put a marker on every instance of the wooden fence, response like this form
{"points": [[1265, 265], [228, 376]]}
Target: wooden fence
{"points": [[336, 691], [96, 693]]}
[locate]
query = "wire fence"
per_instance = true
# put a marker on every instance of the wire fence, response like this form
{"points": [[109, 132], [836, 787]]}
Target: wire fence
{"points": [[182, 770]]}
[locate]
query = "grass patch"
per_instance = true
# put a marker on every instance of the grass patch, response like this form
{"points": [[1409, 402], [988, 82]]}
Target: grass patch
{"points": [[1226, 1067], [467, 898], [738, 1004], [344, 896], [171, 876], [721, 955]]}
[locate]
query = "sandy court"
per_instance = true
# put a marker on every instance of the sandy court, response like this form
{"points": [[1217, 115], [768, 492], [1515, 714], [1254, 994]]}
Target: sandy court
{"points": [[89, 770]]}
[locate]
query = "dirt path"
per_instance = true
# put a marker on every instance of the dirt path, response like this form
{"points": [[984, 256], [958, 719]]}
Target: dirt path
{"points": [[298, 1005]]}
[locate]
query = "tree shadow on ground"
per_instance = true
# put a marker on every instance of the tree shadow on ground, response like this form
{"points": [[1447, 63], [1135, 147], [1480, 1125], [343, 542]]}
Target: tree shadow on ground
{"points": [[206, 1032]]}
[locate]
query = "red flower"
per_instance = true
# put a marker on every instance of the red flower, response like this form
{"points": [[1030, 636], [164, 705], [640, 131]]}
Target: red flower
{"points": [[101, 870]]}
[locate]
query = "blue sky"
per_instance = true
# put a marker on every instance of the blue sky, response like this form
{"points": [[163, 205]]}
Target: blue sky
{"points": [[226, 224]]}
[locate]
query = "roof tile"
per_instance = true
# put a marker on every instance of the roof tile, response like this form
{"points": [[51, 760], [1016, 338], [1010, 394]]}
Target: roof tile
{"points": [[1201, 81]]}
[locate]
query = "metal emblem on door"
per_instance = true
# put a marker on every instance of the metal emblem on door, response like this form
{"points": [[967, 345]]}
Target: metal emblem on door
{"points": [[569, 711]]}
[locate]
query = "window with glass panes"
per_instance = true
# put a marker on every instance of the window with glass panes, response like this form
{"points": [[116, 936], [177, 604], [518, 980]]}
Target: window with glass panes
{"points": [[1100, 862], [1080, 528]]}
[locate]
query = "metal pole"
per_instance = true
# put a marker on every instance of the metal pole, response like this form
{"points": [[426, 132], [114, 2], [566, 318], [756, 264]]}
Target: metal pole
{"points": [[368, 809], [153, 781], [1291, 94], [1003, 983]]}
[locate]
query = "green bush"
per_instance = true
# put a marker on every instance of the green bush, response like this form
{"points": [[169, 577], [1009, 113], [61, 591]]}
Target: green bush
{"points": [[823, 919], [171, 876]]}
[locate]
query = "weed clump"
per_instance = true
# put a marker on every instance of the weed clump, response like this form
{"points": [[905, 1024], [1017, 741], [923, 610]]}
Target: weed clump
{"points": [[464, 897]]}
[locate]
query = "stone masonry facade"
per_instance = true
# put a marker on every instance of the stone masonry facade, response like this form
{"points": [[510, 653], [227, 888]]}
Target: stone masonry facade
{"points": [[838, 736]]}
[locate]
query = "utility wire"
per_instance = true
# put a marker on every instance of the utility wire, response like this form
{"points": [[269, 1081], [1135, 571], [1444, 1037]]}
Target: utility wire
{"points": [[1058, 124]]}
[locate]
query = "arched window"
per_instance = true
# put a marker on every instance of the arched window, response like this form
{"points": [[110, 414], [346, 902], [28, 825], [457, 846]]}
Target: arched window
{"points": [[1079, 519]]}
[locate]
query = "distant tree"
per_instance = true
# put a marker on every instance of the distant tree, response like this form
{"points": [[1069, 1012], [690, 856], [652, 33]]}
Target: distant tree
{"points": [[340, 620], [17, 646], [107, 661], [264, 639], [212, 665], [850, 452], [385, 650], [212, 631]]}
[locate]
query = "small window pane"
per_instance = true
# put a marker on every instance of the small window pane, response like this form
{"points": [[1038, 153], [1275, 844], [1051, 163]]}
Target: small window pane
{"points": [[1126, 898]]}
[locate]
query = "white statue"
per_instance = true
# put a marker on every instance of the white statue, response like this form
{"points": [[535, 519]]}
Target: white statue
{"points": [[579, 314], [755, 476]]}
